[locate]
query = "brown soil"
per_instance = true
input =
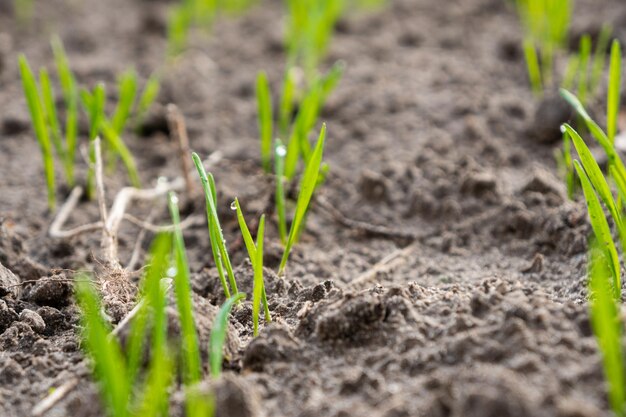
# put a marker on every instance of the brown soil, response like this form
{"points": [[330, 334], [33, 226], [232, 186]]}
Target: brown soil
{"points": [[440, 162]]}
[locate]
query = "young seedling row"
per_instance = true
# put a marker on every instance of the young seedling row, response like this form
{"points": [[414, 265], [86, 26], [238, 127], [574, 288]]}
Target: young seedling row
{"points": [[289, 154]]}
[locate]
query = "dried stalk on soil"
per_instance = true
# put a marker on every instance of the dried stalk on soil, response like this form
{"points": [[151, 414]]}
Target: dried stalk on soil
{"points": [[110, 222]]}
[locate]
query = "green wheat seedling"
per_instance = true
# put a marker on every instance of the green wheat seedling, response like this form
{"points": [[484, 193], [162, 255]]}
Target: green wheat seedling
{"points": [[218, 334], [279, 172], [546, 24], [305, 120], [196, 405], [109, 363], [613, 104], [38, 118], [126, 109], [298, 146], [192, 369], [605, 140], [307, 187], [264, 104], [587, 69], [218, 243], [310, 26], [255, 252], [124, 392], [125, 389], [599, 57], [198, 14], [607, 328]]}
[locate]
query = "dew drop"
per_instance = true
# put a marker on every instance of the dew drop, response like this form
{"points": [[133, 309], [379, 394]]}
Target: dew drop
{"points": [[233, 205], [171, 272], [174, 199], [563, 130], [281, 151]]}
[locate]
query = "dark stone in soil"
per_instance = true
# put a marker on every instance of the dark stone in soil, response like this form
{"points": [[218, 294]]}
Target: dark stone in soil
{"points": [[33, 319], [550, 114], [54, 291], [14, 126], [54, 320]]}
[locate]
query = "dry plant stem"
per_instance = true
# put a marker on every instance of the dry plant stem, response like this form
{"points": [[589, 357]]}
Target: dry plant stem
{"points": [[56, 228], [178, 129], [365, 227], [57, 395], [388, 263], [117, 213], [109, 239], [134, 257]]}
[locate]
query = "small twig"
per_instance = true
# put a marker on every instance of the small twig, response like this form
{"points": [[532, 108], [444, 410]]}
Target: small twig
{"points": [[193, 220], [134, 257], [64, 213], [178, 130], [371, 229], [109, 238], [54, 397], [389, 262]]}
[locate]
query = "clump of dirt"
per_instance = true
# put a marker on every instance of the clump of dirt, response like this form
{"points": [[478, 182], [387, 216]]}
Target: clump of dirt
{"points": [[442, 271]]}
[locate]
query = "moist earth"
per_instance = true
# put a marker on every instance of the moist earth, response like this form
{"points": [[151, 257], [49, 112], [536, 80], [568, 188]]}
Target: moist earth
{"points": [[442, 272]]}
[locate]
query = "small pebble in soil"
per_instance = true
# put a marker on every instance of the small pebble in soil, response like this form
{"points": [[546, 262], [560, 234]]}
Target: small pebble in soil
{"points": [[7, 316], [34, 320], [550, 114]]}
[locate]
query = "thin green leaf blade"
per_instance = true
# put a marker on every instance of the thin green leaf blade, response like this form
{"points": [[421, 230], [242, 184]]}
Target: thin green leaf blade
{"points": [[218, 334]]}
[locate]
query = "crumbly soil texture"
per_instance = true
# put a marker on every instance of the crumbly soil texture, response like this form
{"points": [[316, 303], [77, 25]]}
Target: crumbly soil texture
{"points": [[442, 270]]}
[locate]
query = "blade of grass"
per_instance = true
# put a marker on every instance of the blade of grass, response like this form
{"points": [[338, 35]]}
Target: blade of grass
{"points": [[215, 229], [218, 334], [50, 112], [192, 369], [37, 116], [264, 105], [66, 77], [70, 95], [532, 64], [151, 302], [599, 57], [597, 180], [583, 69], [600, 227], [109, 364], [118, 145], [607, 328], [127, 90], [613, 95], [307, 187], [257, 266], [154, 397], [279, 167], [259, 286], [286, 101], [148, 97]]}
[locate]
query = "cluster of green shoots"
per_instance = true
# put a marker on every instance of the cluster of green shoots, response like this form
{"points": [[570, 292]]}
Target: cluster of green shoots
{"points": [[129, 388], [546, 24], [201, 14], [62, 139], [584, 75], [605, 268]]}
